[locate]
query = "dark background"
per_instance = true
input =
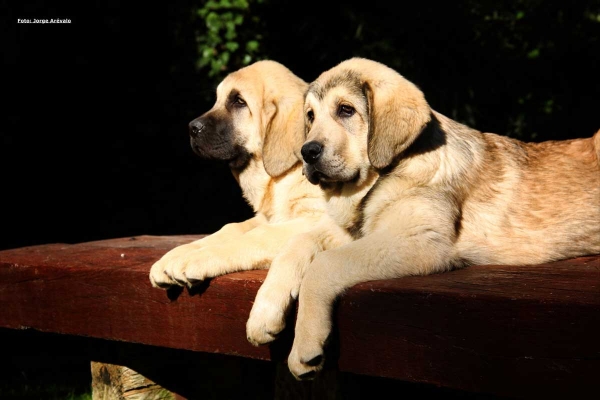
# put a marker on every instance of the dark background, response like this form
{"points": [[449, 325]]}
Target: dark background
{"points": [[93, 128], [94, 123]]}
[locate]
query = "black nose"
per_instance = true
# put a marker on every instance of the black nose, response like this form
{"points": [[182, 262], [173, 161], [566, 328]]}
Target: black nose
{"points": [[311, 152], [196, 126]]}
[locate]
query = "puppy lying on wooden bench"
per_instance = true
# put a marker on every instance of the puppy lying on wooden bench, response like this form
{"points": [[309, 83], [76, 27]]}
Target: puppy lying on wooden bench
{"points": [[412, 192]]}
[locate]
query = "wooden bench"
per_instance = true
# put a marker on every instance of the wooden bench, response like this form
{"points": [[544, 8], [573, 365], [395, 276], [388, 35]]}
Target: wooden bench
{"points": [[508, 331]]}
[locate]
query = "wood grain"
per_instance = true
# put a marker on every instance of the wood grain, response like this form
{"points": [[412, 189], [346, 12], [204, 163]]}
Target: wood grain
{"points": [[116, 382], [506, 330]]}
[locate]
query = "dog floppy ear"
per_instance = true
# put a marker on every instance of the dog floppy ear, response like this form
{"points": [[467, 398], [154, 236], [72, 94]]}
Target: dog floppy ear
{"points": [[398, 113], [284, 135]]}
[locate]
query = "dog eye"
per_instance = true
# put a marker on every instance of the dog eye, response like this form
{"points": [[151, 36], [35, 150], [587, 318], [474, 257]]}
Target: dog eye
{"points": [[346, 111], [310, 116], [239, 102]]}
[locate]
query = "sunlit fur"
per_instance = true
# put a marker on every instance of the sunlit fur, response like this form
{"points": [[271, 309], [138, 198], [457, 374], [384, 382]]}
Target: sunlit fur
{"points": [[428, 194], [271, 129]]}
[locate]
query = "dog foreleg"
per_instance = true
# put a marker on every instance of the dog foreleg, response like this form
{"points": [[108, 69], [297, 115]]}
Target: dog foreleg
{"points": [[281, 287], [178, 255], [255, 249], [377, 256]]}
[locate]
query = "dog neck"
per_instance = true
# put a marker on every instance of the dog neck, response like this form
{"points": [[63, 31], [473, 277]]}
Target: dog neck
{"points": [[255, 184], [345, 201], [277, 198], [426, 162]]}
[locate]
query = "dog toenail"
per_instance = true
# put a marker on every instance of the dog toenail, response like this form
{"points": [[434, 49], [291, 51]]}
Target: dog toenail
{"points": [[315, 361]]}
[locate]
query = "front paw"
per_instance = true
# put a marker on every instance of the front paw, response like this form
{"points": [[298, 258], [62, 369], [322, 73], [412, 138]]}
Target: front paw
{"points": [[161, 271], [186, 267], [267, 317], [313, 327], [199, 265], [307, 356]]}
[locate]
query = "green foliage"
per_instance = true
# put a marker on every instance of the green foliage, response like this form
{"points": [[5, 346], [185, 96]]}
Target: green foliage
{"points": [[520, 68], [228, 35], [34, 390]]}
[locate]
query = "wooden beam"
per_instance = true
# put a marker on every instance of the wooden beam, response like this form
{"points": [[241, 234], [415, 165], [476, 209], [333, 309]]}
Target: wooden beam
{"points": [[117, 382], [506, 330]]}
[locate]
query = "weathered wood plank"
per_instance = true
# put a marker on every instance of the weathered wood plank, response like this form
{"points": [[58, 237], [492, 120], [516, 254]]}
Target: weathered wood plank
{"points": [[103, 291], [116, 382], [496, 329]]}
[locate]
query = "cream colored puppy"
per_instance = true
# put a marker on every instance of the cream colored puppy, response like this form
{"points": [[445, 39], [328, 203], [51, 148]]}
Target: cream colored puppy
{"points": [[413, 192], [257, 126]]}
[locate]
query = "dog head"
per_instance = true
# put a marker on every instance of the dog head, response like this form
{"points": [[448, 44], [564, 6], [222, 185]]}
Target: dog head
{"points": [[359, 115], [257, 114]]}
